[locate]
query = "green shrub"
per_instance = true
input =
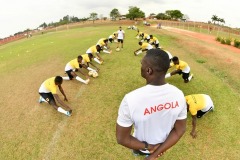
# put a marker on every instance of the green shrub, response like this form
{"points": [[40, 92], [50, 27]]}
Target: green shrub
{"points": [[228, 41], [236, 43], [223, 41], [218, 39]]}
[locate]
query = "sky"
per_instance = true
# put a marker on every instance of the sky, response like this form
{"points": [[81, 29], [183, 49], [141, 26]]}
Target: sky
{"points": [[19, 15]]}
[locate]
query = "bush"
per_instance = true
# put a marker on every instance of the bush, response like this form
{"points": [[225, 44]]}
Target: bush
{"points": [[236, 43], [218, 39], [223, 41], [228, 41]]}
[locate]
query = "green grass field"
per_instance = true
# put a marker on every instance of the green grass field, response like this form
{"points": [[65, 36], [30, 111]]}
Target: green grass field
{"points": [[29, 130]]}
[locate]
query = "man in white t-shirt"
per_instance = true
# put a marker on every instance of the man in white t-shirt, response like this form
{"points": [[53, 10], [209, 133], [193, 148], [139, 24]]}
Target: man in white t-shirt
{"points": [[157, 111], [120, 37]]}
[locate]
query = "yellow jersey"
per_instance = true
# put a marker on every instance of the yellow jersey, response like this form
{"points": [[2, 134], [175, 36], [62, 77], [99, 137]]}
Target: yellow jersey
{"points": [[182, 65], [92, 50], [86, 58], [101, 42], [196, 102], [50, 85], [154, 40], [74, 63]]}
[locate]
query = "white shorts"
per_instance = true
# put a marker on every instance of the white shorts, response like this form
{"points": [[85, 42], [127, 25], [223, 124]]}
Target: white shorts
{"points": [[209, 103]]}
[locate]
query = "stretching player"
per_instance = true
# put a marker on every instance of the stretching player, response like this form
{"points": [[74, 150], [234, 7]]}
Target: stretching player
{"points": [[198, 105], [144, 47], [48, 93], [75, 65], [181, 68]]}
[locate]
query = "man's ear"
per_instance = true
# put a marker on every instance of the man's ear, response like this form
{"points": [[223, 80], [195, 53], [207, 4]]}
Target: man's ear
{"points": [[149, 70]]}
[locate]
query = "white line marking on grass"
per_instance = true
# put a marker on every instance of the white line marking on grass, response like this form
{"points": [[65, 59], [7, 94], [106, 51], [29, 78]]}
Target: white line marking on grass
{"points": [[57, 135]]}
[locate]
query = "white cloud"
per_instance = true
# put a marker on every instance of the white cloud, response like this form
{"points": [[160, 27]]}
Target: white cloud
{"points": [[18, 15]]}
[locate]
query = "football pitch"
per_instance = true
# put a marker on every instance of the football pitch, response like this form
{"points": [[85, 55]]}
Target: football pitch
{"points": [[29, 130]]}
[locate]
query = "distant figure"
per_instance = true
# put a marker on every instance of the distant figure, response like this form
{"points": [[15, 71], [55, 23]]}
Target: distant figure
{"points": [[198, 105], [159, 25], [156, 111], [120, 37], [181, 68], [48, 93]]}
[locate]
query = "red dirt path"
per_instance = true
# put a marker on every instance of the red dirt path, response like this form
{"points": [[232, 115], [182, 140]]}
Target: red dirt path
{"points": [[203, 37]]}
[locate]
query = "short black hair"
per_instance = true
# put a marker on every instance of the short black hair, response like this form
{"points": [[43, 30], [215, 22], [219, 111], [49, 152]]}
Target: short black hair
{"points": [[98, 48], [175, 58], [140, 43], [58, 79], [151, 36], [158, 59], [79, 57], [90, 55]]}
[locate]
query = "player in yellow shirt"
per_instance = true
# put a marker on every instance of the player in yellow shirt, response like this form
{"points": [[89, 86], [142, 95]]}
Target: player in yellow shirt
{"points": [[112, 38], [87, 58], [144, 47], [154, 41], [95, 51], [181, 68], [139, 34], [48, 93], [198, 105], [103, 43], [145, 37], [73, 66]]}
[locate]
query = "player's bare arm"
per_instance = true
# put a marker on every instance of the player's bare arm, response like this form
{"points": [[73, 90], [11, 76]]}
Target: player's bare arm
{"points": [[125, 138], [194, 123]]}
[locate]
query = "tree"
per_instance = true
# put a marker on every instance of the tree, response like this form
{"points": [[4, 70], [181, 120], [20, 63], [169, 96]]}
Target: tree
{"points": [[114, 13], [214, 18], [135, 12], [221, 20], [44, 25], [162, 16], [93, 16], [174, 14]]}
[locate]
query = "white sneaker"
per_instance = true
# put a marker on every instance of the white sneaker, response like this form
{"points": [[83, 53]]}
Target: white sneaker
{"points": [[69, 113], [40, 99]]}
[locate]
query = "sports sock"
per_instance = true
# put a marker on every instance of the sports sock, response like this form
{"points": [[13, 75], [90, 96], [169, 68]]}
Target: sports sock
{"points": [[90, 69], [97, 60], [41, 99], [61, 110], [105, 51], [168, 75], [81, 80], [189, 78], [66, 78], [138, 52]]}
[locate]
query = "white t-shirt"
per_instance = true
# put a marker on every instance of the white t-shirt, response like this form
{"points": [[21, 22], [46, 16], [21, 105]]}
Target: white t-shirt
{"points": [[120, 34], [153, 111]]}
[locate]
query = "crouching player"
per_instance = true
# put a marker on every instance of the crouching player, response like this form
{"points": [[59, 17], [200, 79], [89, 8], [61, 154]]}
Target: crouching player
{"points": [[95, 50], [48, 93], [181, 68], [144, 47], [198, 105], [73, 66]]}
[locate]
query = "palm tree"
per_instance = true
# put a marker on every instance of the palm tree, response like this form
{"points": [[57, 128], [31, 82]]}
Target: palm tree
{"points": [[214, 18]]}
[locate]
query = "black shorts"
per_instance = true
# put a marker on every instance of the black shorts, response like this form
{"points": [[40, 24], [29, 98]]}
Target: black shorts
{"points": [[184, 75], [120, 40], [110, 40], [201, 113], [156, 45], [48, 97], [69, 74]]}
